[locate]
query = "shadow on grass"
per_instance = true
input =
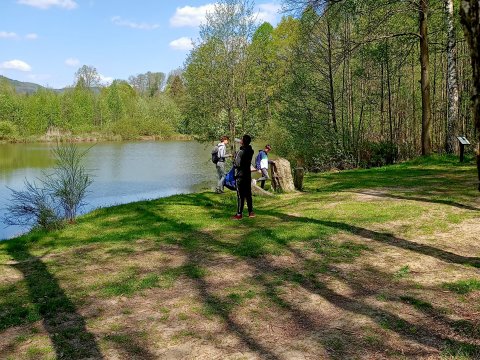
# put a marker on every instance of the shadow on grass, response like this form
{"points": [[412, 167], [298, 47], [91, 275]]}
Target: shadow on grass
{"points": [[386, 238], [422, 174], [66, 328], [125, 342], [200, 246], [420, 199]]}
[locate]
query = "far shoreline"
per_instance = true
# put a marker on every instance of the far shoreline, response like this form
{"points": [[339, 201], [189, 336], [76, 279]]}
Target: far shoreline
{"points": [[92, 138]]}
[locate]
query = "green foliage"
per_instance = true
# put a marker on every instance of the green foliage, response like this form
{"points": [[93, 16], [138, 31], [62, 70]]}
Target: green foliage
{"points": [[375, 154], [117, 109], [34, 206], [8, 130], [59, 196], [216, 71], [69, 181]]}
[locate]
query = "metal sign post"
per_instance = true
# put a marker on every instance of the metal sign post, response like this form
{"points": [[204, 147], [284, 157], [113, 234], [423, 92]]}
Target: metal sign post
{"points": [[463, 141]]}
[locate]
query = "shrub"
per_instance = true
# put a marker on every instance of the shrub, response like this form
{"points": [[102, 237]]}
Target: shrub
{"points": [[58, 199], [8, 130], [375, 154], [69, 181], [34, 206]]}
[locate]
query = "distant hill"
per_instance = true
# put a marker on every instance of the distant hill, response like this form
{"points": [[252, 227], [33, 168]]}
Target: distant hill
{"points": [[22, 87], [30, 88]]}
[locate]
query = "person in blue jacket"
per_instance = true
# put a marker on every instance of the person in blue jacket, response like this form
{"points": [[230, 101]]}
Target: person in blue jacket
{"points": [[261, 163]]}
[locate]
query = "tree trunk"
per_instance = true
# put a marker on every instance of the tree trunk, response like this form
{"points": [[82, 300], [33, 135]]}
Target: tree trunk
{"points": [[452, 87], [330, 76], [425, 82], [470, 14], [389, 88], [282, 179]]}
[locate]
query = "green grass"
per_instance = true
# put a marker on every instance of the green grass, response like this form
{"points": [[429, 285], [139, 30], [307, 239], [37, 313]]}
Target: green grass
{"points": [[298, 244], [463, 286], [401, 273]]}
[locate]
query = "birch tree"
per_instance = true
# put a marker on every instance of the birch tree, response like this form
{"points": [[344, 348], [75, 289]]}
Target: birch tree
{"points": [[452, 83], [221, 59]]}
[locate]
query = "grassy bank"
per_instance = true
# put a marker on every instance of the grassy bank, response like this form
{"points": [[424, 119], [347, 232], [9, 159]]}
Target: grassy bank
{"points": [[369, 264]]}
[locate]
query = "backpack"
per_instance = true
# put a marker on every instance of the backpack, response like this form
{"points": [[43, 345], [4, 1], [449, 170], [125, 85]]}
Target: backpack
{"points": [[229, 181], [258, 159], [215, 157]]}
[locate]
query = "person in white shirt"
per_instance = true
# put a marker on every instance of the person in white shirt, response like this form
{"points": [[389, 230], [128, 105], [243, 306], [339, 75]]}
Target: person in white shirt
{"points": [[220, 165]]}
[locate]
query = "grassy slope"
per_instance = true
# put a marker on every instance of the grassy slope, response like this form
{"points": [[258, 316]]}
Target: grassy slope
{"points": [[372, 264]]}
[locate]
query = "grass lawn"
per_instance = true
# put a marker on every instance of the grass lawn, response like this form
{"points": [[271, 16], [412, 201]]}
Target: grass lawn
{"points": [[367, 264]]}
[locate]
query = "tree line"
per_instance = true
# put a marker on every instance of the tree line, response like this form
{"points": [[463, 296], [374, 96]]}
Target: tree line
{"points": [[340, 83], [336, 83], [141, 106]]}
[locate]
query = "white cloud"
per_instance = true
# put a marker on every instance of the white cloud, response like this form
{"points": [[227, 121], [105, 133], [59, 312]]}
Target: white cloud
{"points": [[45, 4], [184, 43], [268, 12], [105, 80], [8, 35], [190, 15], [72, 62], [31, 36], [15, 65], [117, 20]]}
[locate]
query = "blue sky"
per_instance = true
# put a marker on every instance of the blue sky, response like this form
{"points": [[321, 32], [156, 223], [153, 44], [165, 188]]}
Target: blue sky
{"points": [[46, 41]]}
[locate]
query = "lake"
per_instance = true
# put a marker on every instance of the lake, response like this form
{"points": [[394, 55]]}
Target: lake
{"points": [[122, 172]]}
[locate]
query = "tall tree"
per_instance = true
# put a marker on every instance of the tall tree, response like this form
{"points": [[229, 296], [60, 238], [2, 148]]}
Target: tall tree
{"points": [[87, 76], [452, 83], [470, 14], [424, 78], [224, 39]]}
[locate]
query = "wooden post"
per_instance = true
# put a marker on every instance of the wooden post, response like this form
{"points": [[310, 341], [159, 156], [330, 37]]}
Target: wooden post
{"points": [[462, 152], [298, 178]]}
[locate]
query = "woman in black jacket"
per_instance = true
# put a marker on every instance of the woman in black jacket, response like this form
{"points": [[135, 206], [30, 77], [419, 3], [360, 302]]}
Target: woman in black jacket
{"points": [[243, 177]]}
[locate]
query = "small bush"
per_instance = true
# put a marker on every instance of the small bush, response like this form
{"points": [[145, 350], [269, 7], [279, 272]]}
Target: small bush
{"points": [[375, 154], [69, 182], [58, 199], [8, 130], [126, 128], [34, 206]]}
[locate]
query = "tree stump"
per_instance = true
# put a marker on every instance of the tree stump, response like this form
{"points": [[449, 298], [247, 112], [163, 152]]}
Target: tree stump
{"points": [[282, 180], [298, 178]]}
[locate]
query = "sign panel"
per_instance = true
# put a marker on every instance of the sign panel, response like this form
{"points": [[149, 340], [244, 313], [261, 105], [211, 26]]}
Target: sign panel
{"points": [[463, 140]]}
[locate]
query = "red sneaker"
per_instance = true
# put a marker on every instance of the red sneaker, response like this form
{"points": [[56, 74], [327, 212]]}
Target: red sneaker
{"points": [[237, 217], [251, 214]]}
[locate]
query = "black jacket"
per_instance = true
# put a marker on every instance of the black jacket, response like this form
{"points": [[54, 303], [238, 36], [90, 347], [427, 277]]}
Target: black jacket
{"points": [[243, 162]]}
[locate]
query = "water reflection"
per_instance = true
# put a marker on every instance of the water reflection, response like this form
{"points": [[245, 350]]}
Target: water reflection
{"points": [[123, 172]]}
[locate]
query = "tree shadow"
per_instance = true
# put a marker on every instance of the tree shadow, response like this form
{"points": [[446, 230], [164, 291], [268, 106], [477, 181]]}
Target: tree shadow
{"points": [[221, 308], [419, 199], [125, 342], [206, 244], [66, 328], [386, 238]]}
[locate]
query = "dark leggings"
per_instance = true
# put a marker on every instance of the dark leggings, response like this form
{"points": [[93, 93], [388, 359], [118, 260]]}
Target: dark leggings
{"points": [[244, 191]]}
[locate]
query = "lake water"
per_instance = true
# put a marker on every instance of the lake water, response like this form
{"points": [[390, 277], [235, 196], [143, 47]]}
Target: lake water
{"points": [[122, 172]]}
